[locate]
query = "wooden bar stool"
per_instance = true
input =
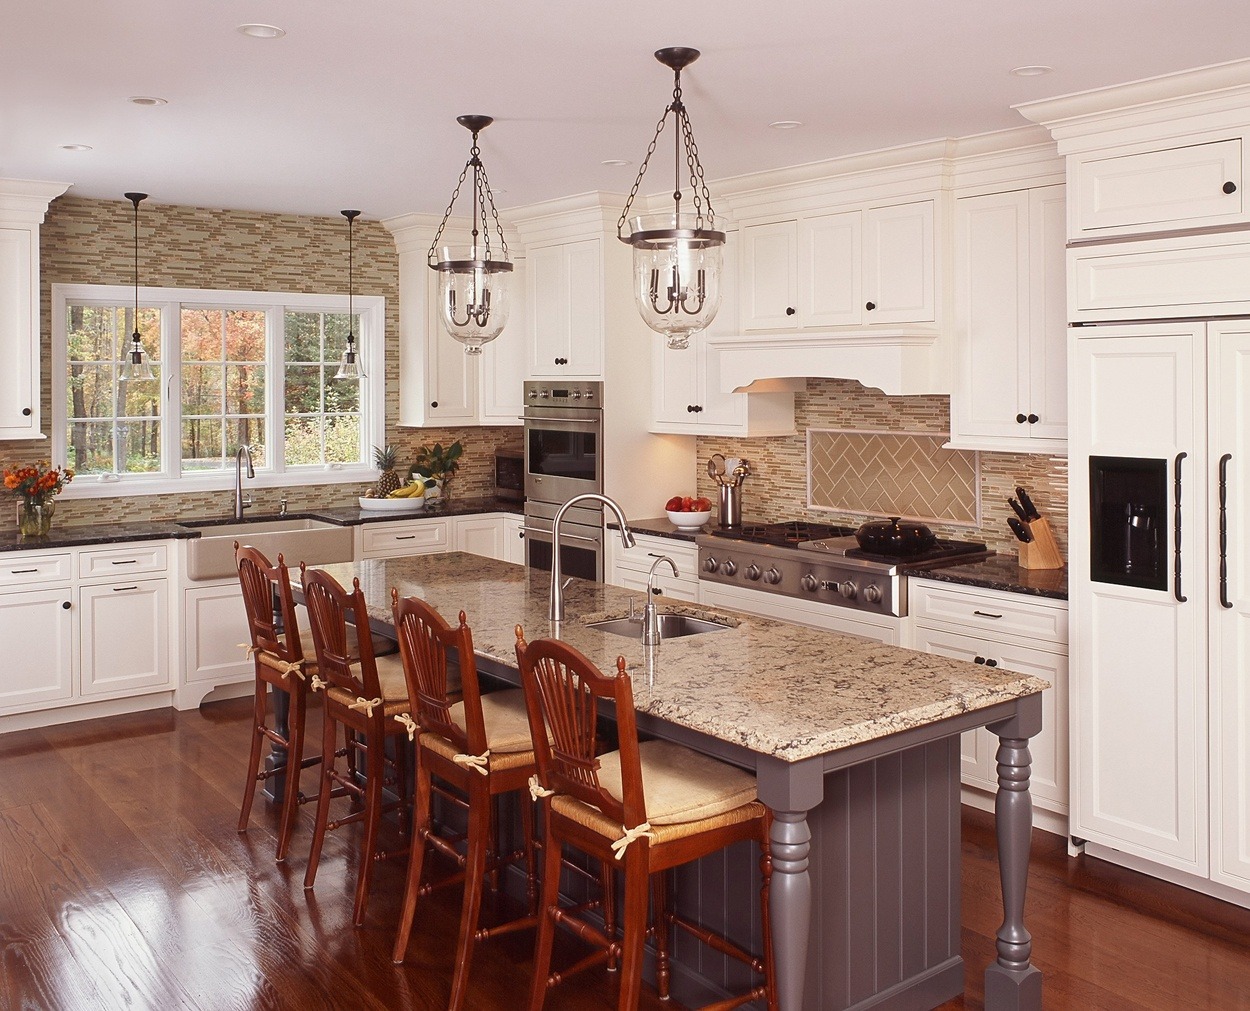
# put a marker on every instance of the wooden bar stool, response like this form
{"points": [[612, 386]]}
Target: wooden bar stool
{"points": [[480, 744], [650, 806], [363, 694]]}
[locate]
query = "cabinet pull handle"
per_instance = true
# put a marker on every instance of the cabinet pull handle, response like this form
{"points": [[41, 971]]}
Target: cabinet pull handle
{"points": [[870, 306], [22, 572], [1224, 601], [405, 537], [26, 412], [991, 663], [789, 310], [521, 534], [1230, 187], [433, 403], [1021, 419], [65, 605], [1176, 535], [1033, 419], [986, 614], [978, 659], [126, 561], [122, 589]]}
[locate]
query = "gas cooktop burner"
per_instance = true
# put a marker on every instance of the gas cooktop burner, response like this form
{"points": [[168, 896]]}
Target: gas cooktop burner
{"points": [[786, 535], [848, 548]]}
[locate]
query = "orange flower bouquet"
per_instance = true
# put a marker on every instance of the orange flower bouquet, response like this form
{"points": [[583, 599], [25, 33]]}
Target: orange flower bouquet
{"points": [[37, 486]]}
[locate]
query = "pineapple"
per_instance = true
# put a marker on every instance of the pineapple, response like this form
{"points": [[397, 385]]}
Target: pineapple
{"points": [[384, 460]]}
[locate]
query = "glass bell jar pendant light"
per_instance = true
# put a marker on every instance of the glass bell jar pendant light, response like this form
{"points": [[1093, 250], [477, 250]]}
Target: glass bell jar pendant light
{"points": [[473, 279], [349, 364], [677, 253], [135, 364]]}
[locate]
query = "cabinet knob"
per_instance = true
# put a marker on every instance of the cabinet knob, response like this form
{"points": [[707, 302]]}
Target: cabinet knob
{"points": [[521, 534], [433, 403], [1033, 419], [25, 412], [991, 663], [690, 408], [789, 310], [870, 306], [1230, 187], [698, 408], [1020, 419], [978, 659], [65, 605]]}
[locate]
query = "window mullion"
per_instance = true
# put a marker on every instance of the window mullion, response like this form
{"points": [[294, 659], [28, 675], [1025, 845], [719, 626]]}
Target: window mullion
{"points": [[275, 388], [171, 353]]}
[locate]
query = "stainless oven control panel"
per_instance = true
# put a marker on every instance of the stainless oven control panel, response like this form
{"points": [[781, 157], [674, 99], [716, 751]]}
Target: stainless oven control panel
{"points": [[548, 393]]}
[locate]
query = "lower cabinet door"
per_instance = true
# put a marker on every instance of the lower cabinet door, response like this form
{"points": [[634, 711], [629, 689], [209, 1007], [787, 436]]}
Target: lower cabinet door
{"points": [[36, 626], [480, 535], [215, 624], [675, 589], [514, 539], [124, 632], [1049, 749]]}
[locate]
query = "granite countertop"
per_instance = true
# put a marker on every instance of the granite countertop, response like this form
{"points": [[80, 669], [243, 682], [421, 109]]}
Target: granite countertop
{"points": [[70, 535], [661, 527], [1000, 572], [774, 688]]}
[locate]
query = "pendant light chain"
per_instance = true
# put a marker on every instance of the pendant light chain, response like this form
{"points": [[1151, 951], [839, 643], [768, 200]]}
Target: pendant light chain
{"points": [[136, 263], [483, 197]]}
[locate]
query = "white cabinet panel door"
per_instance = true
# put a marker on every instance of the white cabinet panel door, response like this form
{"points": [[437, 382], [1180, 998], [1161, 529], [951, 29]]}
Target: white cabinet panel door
{"points": [[216, 623], [480, 535], [37, 626], [830, 282], [19, 337], [119, 664], [1048, 312], [899, 264], [769, 295]]}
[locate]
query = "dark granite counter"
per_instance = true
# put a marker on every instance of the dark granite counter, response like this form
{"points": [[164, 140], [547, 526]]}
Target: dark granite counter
{"points": [[661, 527], [353, 515], [1000, 572], [76, 535]]}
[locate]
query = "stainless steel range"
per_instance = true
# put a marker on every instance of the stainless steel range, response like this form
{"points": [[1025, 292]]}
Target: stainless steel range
{"points": [[819, 562]]}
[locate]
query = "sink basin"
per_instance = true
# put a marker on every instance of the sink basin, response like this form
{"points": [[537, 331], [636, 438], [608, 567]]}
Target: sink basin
{"points": [[211, 555], [672, 626]]}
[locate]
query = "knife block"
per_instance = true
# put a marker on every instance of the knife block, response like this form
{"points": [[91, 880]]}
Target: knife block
{"points": [[1042, 552]]}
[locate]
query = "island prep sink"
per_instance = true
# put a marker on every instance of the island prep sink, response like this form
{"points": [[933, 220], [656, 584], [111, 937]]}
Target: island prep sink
{"points": [[672, 626], [211, 555]]}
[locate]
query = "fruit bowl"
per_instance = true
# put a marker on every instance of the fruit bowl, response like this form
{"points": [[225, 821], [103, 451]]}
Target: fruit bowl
{"points": [[688, 520], [392, 505]]}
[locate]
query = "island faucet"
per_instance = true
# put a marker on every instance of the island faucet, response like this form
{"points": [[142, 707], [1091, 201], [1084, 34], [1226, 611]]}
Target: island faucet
{"points": [[650, 616], [241, 503], [555, 608]]}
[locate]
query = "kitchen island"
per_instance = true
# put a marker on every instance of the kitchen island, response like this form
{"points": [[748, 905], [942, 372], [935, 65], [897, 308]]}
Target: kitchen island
{"points": [[856, 749]]}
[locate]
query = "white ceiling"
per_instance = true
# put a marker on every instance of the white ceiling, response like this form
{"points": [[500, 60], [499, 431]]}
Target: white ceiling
{"points": [[356, 106]]}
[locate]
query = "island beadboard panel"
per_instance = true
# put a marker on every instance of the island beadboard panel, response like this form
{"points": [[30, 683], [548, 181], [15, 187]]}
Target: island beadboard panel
{"points": [[777, 487], [87, 241]]}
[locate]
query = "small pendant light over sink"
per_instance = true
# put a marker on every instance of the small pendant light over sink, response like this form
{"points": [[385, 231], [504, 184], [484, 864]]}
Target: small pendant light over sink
{"points": [[474, 281], [349, 364], [677, 255], [135, 364]]}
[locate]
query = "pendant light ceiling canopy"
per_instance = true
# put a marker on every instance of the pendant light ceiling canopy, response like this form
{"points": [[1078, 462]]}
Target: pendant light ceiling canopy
{"points": [[135, 364], [677, 254], [474, 280], [349, 364]]}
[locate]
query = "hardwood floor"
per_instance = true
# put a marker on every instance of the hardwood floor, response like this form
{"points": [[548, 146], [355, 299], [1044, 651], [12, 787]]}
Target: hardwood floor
{"points": [[123, 884]]}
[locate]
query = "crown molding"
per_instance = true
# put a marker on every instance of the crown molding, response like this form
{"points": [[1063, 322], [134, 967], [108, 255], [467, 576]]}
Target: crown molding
{"points": [[25, 201]]}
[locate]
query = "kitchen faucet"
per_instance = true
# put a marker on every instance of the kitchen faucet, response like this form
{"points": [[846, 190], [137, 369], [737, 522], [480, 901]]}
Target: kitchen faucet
{"points": [[555, 608], [650, 617], [240, 503]]}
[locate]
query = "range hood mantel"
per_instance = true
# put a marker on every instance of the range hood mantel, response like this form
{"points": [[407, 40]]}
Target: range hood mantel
{"points": [[899, 363]]}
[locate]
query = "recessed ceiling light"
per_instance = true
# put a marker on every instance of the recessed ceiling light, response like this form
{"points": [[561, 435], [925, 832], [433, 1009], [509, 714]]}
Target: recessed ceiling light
{"points": [[1032, 71], [75, 147], [147, 100], [785, 124], [262, 31], [614, 162]]}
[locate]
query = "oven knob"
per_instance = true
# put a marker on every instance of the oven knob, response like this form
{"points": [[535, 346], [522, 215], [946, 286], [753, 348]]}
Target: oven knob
{"points": [[728, 567], [711, 565], [576, 394], [772, 576], [533, 394], [753, 572], [542, 394], [848, 589], [872, 593], [809, 583]]}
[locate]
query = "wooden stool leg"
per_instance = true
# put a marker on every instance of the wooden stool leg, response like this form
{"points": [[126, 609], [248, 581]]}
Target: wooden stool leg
{"points": [[480, 837], [374, 773], [531, 870], [294, 762], [660, 917], [253, 761], [416, 858], [635, 925], [546, 916], [609, 911], [329, 733]]}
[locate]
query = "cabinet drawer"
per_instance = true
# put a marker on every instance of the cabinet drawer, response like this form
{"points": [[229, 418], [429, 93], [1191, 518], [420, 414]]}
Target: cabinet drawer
{"points": [[388, 539], [122, 561], [19, 569], [990, 613], [640, 557]]}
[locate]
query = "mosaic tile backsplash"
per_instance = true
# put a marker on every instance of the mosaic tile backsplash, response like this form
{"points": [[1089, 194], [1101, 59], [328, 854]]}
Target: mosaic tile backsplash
{"points": [[86, 241], [777, 488]]}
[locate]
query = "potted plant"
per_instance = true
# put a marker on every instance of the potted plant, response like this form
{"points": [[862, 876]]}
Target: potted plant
{"points": [[438, 464], [37, 486]]}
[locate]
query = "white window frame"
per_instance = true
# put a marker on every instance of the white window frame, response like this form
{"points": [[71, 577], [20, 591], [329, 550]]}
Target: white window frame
{"points": [[371, 342]]}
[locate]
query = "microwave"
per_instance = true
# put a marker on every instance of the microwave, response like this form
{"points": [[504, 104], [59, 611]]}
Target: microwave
{"points": [[510, 474]]}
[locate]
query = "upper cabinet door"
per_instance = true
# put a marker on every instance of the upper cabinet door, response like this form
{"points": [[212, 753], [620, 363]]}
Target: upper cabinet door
{"points": [[830, 270], [503, 361], [451, 375], [1048, 315], [564, 296], [899, 264], [769, 299], [1178, 187], [19, 335]]}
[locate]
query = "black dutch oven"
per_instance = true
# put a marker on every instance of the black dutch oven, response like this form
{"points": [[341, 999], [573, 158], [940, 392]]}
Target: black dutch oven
{"points": [[890, 537]]}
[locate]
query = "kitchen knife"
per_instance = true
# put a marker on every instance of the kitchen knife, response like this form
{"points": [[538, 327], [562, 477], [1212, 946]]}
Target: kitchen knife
{"points": [[1022, 532], [1019, 510], [1027, 502]]}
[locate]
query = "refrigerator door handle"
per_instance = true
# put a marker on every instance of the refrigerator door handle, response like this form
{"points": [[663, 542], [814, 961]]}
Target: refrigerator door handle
{"points": [[1176, 533], [1224, 601]]}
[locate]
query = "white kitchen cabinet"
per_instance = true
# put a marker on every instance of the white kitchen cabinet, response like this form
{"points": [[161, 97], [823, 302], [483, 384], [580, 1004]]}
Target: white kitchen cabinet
{"points": [[1011, 344], [813, 613], [1016, 632], [216, 623], [565, 309], [37, 625], [629, 567], [404, 537], [899, 264], [113, 664], [480, 535], [769, 283], [451, 375], [513, 539], [686, 395], [1151, 187]]}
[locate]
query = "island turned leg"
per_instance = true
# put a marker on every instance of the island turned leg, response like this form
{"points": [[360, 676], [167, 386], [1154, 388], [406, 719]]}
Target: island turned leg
{"points": [[1011, 983], [790, 903]]}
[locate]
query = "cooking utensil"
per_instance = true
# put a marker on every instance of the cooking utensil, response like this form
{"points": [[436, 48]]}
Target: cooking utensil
{"points": [[1027, 502], [891, 537], [1019, 510], [716, 470], [1019, 529]]}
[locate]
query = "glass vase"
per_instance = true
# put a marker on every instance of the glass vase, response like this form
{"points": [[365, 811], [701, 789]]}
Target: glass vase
{"points": [[35, 519]]}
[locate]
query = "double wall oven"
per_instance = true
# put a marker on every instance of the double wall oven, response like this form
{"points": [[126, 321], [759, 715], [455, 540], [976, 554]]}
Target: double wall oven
{"points": [[564, 458]]}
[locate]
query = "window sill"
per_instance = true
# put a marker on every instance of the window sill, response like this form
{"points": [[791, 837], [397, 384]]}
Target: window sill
{"points": [[91, 486]]}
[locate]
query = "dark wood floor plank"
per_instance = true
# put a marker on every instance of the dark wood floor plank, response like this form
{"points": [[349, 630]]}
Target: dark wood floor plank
{"points": [[41, 973]]}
